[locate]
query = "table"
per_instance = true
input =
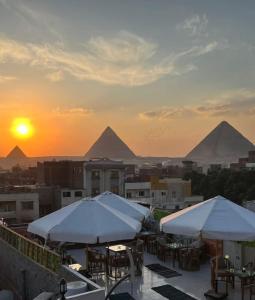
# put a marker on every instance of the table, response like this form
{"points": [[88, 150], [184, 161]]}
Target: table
{"points": [[245, 278], [117, 248]]}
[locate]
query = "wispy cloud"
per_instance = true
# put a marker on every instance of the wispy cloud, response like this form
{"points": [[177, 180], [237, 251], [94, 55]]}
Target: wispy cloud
{"points": [[195, 26], [73, 111], [232, 103], [4, 79], [33, 20], [126, 60], [55, 76]]}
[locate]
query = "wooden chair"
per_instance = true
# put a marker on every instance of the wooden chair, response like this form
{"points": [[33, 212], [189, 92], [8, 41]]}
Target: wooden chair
{"points": [[96, 262], [222, 273], [118, 264]]}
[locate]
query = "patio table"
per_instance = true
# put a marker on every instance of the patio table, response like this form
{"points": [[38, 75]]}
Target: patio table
{"points": [[246, 277]]}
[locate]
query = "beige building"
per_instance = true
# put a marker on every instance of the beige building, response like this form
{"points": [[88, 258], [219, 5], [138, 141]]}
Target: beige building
{"points": [[102, 175], [19, 204], [167, 193]]}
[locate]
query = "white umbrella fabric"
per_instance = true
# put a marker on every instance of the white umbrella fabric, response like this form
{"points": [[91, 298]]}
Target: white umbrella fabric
{"points": [[216, 218], [86, 221], [123, 205]]}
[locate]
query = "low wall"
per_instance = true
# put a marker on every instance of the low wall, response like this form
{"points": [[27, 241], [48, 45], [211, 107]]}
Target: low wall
{"points": [[24, 276]]}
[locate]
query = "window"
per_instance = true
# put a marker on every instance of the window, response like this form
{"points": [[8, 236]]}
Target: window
{"points": [[129, 195], [163, 193], [141, 193], [66, 194], [28, 205], [78, 194], [95, 175], [174, 194], [152, 194], [177, 207], [6, 206], [114, 174]]}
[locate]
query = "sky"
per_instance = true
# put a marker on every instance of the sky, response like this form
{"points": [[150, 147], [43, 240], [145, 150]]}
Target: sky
{"points": [[161, 73]]}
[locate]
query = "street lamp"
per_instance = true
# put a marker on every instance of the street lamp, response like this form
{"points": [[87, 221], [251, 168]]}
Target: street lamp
{"points": [[62, 288]]}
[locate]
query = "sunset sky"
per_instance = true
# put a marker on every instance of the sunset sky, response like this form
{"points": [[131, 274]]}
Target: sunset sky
{"points": [[161, 73]]}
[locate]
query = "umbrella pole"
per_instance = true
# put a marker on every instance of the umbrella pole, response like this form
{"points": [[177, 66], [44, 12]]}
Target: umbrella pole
{"points": [[86, 257]]}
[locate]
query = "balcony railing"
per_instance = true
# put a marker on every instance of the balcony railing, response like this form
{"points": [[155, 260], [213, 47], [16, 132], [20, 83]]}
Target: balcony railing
{"points": [[37, 253]]}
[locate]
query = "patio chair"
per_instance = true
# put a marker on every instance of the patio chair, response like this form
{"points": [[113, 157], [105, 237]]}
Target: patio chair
{"points": [[118, 264], [189, 259], [96, 262], [152, 245], [222, 273], [252, 290]]}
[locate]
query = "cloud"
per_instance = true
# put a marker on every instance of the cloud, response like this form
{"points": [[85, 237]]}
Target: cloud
{"points": [[166, 113], [231, 103], [4, 79], [73, 111], [32, 20], [126, 60], [55, 76], [195, 26]]}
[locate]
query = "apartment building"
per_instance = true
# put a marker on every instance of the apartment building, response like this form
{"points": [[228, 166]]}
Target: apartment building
{"points": [[19, 204], [167, 193], [102, 175]]}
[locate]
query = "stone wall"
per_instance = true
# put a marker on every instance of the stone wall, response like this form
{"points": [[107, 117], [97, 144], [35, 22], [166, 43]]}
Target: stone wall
{"points": [[24, 276]]}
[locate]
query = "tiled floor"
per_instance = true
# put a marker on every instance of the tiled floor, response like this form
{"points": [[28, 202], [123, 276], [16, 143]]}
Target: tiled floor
{"points": [[193, 283]]}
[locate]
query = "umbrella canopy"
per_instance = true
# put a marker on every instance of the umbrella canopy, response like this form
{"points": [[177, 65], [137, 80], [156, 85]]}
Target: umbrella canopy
{"points": [[216, 218], [86, 221], [123, 205]]}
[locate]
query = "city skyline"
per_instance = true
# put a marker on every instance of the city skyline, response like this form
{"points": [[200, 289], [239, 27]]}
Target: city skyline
{"points": [[161, 74]]}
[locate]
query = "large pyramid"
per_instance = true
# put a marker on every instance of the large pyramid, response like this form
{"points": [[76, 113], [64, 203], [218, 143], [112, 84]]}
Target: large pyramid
{"points": [[223, 144], [111, 146], [16, 153]]}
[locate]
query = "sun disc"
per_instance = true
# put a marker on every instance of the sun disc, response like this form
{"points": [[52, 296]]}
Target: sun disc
{"points": [[22, 128]]}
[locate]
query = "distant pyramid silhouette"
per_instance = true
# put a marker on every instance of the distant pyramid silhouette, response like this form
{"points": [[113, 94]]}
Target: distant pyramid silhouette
{"points": [[222, 144], [16, 153], [111, 146]]}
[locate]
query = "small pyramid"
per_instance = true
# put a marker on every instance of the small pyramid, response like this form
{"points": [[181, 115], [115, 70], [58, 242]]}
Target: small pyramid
{"points": [[16, 153], [109, 145], [222, 144]]}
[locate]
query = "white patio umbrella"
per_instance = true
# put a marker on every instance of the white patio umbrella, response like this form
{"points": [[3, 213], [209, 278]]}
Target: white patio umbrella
{"points": [[86, 221], [123, 205], [216, 218]]}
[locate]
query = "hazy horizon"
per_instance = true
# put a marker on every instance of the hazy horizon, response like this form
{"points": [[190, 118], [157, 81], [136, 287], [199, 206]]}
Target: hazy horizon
{"points": [[162, 74]]}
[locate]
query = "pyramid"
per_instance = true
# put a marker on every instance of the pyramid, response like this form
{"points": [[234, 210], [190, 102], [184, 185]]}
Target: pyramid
{"points": [[109, 145], [16, 153], [222, 144]]}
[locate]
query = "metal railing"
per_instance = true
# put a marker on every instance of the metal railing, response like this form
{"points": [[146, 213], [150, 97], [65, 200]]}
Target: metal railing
{"points": [[37, 253]]}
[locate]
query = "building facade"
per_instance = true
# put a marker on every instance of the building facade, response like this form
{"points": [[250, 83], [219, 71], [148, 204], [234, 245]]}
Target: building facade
{"points": [[167, 193], [19, 204], [102, 175]]}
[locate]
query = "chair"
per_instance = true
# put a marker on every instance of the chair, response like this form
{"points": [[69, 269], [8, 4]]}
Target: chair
{"points": [[252, 290], [96, 262], [222, 273], [152, 245], [189, 259], [118, 263]]}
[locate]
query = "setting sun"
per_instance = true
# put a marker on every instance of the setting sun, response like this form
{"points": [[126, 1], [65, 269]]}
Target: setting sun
{"points": [[22, 128]]}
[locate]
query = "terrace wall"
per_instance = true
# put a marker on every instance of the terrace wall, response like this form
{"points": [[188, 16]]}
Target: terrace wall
{"points": [[24, 276]]}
